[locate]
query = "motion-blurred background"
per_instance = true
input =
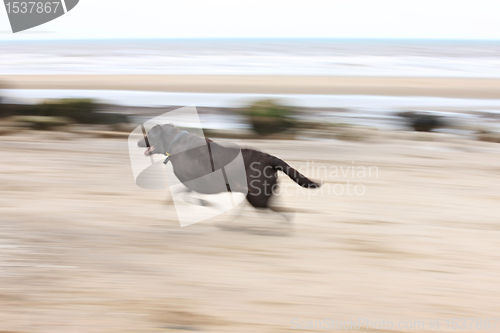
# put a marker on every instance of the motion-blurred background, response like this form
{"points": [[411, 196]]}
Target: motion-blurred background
{"points": [[394, 106]]}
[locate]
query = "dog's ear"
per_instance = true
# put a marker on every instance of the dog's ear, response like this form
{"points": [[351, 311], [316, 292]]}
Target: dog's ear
{"points": [[167, 127], [142, 143]]}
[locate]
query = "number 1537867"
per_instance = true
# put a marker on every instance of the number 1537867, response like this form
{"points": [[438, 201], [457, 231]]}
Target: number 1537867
{"points": [[32, 7]]}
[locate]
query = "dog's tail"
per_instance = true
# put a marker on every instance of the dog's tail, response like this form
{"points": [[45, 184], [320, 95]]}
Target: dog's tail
{"points": [[296, 176]]}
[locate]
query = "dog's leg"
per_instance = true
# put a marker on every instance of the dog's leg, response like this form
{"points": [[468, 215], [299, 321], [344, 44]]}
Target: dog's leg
{"points": [[258, 225], [170, 200], [189, 198], [287, 213], [238, 211]]}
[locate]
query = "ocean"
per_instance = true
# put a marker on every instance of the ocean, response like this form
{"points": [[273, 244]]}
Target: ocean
{"points": [[337, 57]]}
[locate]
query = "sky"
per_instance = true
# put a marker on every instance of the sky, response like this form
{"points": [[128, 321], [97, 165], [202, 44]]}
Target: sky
{"points": [[145, 19]]}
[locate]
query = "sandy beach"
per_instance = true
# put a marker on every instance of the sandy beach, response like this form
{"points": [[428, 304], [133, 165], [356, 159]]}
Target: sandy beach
{"points": [[86, 250], [488, 88]]}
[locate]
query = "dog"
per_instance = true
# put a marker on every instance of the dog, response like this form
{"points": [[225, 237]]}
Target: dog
{"points": [[194, 160]]}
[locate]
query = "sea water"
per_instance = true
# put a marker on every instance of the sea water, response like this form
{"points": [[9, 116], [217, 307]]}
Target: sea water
{"points": [[337, 57]]}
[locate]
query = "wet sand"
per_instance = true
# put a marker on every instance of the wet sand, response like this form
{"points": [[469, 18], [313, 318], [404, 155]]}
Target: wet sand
{"points": [[387, 86], [85, 250]]}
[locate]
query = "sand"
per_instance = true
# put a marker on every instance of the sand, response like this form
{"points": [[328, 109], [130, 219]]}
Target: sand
{"points": [[85, 250], [388, 86]]}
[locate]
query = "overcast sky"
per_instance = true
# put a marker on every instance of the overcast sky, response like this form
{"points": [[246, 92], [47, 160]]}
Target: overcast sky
{"points": [[108, 19]]}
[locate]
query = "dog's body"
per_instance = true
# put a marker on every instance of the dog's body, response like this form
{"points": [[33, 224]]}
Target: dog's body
{"points": [[194, 160]]}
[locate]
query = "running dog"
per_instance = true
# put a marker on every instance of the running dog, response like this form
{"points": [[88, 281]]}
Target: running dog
{"points": [[195, 158]]}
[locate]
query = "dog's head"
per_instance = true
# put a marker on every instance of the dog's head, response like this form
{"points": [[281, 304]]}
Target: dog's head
{"points": [[158, 139]]}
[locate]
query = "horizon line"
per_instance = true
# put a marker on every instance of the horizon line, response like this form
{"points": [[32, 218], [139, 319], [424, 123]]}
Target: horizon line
{"points": [[256, 39]]}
